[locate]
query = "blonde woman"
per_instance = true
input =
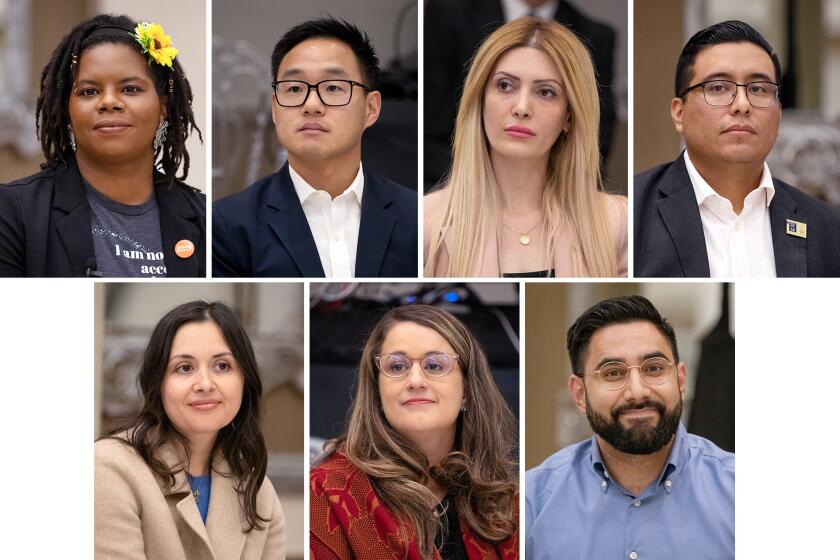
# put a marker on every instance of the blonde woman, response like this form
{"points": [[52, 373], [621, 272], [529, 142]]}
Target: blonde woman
{"points": [[523, 197], [426, 467]]}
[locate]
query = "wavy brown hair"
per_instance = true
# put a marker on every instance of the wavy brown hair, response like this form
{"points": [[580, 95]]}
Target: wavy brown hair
{"points": [[479, 472], [240, 443]]}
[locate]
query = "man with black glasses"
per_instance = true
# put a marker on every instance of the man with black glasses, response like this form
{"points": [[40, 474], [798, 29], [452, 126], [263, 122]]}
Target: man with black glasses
{"points": [[641, 488], [716, 210], [322, 214]]}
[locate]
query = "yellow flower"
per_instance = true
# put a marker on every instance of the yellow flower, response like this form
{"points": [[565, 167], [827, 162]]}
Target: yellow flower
{"points": [[155, 43]]}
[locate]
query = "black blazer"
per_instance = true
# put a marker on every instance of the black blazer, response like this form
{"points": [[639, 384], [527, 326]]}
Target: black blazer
{"points": [[454, 29], [45, 225], [669, 239], [262, 231]]}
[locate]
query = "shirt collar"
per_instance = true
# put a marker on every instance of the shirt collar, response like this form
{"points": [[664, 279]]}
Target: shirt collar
{"points": [[703, 190], [304, 190], [514, 9], [673, 465]]}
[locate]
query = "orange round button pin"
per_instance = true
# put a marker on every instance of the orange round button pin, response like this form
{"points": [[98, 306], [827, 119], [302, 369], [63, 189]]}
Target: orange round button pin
{"points": [[184, 248]]}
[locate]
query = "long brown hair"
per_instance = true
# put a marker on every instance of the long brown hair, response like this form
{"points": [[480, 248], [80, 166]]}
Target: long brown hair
{"points": [[480, 470], [240, 443], [571, 199]]}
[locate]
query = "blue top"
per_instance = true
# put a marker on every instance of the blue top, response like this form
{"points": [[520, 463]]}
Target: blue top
{"points": [[574, 510], [201, 484]]}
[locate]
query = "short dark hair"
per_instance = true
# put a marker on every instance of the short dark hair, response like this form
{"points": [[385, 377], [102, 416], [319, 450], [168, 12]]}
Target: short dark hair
{"points": [[339, 29], [52, 115], [732, 31], [241, 442], [617, 310]]}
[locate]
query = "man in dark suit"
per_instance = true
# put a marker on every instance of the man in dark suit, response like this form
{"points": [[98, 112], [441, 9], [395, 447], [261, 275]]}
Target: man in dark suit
{"points": [[716, 210], [322, 214], [454, 29]]}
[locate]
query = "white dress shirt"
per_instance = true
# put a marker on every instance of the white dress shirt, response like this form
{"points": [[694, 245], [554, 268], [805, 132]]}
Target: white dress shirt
{"points": [[514, 9], [334, 223], [738, 245]]}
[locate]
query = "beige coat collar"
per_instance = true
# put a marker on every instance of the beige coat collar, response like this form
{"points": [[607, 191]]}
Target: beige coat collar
{"points": [[224, 535]]}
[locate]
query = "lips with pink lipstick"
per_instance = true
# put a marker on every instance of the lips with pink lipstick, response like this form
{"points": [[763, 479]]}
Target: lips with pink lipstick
{"points": [[111, 126], [519, 131], [311, 127], [205, 404]]}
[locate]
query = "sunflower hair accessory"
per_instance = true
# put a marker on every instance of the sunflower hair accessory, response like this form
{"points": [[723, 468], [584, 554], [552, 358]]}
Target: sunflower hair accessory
{"points": [[155, 43]]}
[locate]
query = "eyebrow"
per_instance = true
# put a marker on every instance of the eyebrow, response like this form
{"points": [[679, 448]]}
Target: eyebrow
{"points": [[191, 357], [760, 76], [332, 71], [518, 79]]}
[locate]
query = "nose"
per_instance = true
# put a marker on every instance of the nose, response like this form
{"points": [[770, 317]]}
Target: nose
{"points": [[109, 101], [522, 107], [203, 381], [741, 104], [416, 377], [636, 386], [313, 103]]}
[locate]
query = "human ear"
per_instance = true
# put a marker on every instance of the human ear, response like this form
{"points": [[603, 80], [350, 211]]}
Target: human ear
{"points": [[676, 114]]}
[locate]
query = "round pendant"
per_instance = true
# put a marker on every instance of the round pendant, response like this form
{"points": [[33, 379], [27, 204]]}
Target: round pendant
{"points": [[524, 240]]}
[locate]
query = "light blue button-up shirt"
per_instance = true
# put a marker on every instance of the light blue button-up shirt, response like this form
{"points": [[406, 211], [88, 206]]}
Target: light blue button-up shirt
{"points": [[574, 510]]}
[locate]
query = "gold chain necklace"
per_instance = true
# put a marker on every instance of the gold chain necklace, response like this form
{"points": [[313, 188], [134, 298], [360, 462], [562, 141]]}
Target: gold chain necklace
{"points": [[524, 238]]}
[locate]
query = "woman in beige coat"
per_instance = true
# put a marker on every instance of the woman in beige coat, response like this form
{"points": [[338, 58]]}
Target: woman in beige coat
{"points": [[185, 479]]}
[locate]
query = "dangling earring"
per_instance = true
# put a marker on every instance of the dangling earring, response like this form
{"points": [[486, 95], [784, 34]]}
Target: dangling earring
{"points": [[160, 134], [72, 137]]}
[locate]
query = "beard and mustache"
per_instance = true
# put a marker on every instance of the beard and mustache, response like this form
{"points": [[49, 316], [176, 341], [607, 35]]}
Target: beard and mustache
{"points": [[641, 438]]}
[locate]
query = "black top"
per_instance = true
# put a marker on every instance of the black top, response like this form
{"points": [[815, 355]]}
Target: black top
{"points": [[449, 542], [535, 274]]}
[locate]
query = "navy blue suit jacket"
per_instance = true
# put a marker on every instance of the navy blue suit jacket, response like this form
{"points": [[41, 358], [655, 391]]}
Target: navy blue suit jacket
{"points": [[262, 231], [669, 239]]}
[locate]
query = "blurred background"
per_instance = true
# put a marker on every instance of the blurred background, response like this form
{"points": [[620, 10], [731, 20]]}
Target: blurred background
{"points": [[126, 313], [806, 36], [342, 315], [245, 146], [703, 318], [29, 32], [453, 31]]}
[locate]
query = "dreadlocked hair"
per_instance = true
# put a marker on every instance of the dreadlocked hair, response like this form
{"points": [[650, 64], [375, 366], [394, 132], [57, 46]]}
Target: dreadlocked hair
{"points": [[52, 115]]}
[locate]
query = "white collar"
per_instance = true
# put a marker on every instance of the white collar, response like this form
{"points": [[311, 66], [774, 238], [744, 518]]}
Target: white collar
{"points": [[514, 9], [703, 190], [304, 190]]}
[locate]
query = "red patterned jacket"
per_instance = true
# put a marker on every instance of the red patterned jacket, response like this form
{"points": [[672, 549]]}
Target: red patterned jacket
{"points": [[347, 520]]}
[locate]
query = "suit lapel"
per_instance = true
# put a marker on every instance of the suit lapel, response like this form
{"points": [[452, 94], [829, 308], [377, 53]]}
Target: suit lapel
{"points": [[681, 216], [377, 225], [73, 220], [790, 251], [186, 507], [289, 224], [225, 520], [177, 223]]}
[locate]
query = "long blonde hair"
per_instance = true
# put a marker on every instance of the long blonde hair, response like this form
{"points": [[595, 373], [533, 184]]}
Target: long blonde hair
{"points": [[571, 198], [480, 472]]}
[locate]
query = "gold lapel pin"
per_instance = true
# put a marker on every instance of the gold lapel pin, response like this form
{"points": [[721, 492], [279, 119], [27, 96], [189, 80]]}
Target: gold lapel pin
{"points": [[797, 229]]}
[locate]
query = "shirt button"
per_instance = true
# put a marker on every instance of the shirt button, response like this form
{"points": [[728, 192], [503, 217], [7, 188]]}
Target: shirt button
{"points": [[668, 483], [633, 555], [637, 503], [603, 484]]}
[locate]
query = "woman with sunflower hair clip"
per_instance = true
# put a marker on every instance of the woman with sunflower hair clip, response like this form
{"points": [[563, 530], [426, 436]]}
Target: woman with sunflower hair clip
{"points": [[113, 117]]}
